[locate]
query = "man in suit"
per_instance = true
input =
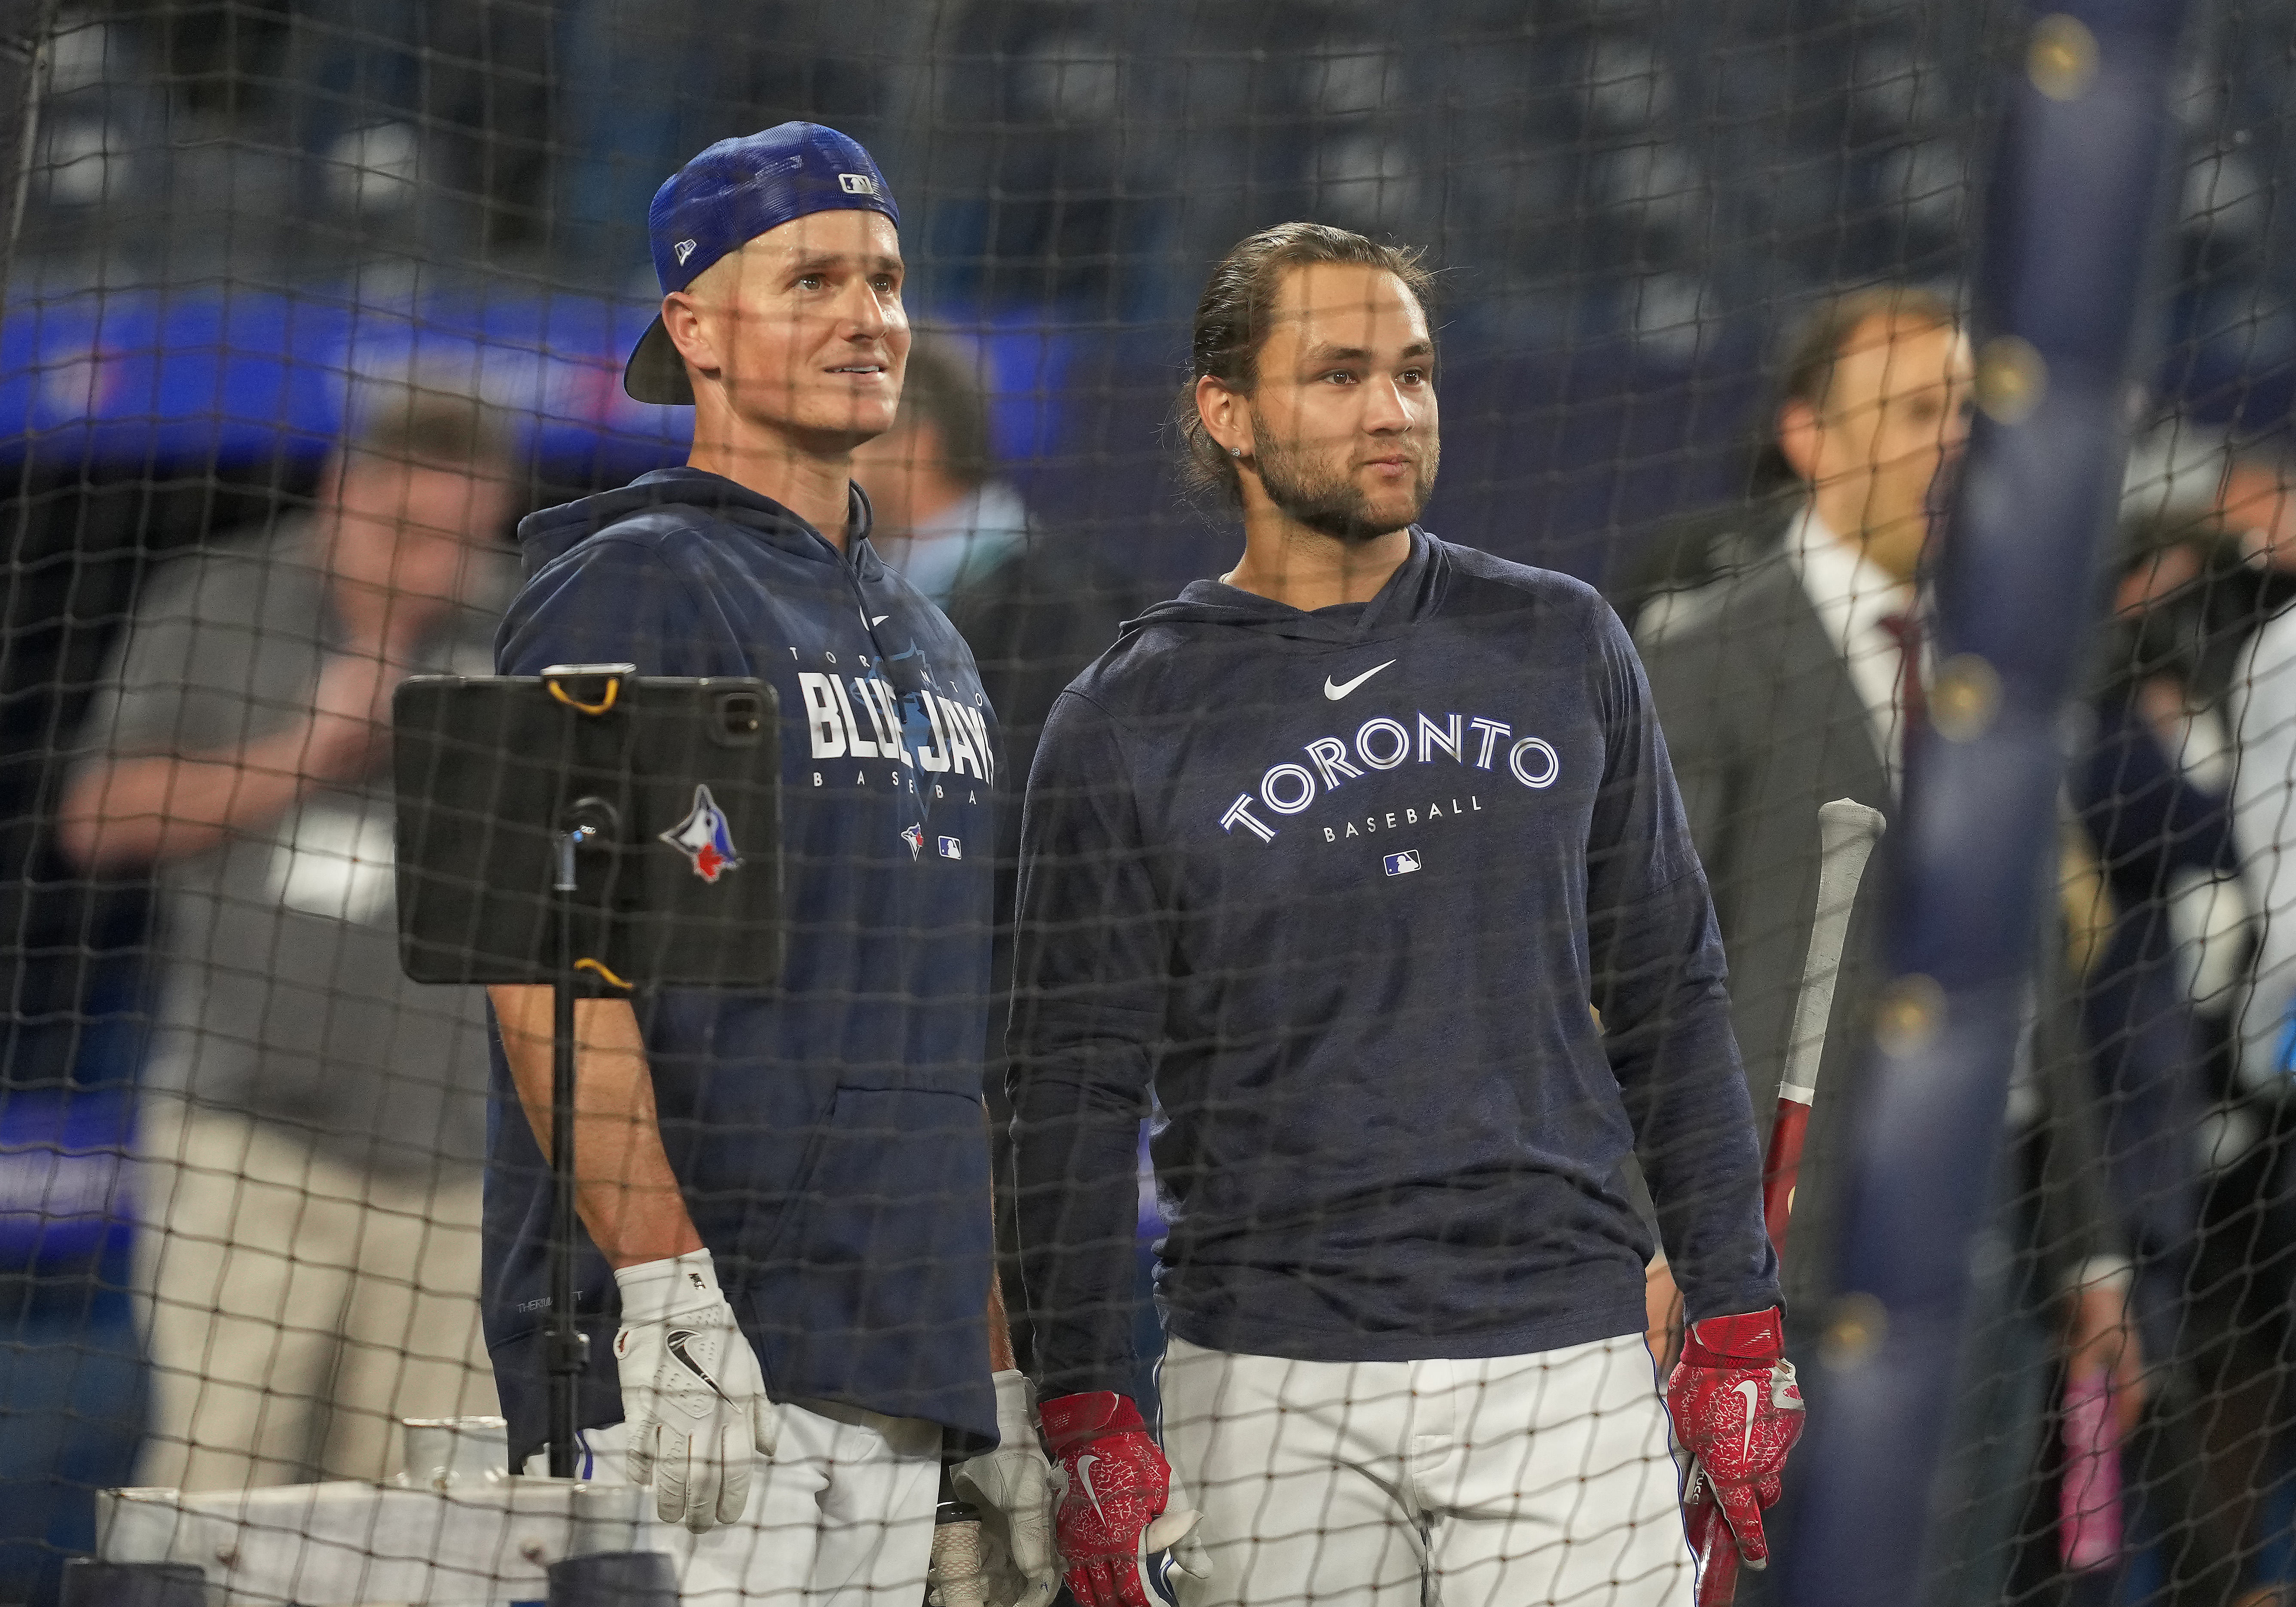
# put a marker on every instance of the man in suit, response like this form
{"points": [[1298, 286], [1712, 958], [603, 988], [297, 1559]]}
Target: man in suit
{"points": [[1795, 677]]}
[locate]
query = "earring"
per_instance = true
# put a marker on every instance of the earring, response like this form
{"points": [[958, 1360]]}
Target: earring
{"points": [[1235, 451]]}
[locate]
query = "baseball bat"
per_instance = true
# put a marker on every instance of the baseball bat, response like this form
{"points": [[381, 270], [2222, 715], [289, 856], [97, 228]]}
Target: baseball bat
{"points": [[1847, 832]]}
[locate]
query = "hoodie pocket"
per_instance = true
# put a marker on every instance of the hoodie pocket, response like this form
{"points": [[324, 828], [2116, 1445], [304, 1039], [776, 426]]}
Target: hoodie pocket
{"points": [[889, 1249]]}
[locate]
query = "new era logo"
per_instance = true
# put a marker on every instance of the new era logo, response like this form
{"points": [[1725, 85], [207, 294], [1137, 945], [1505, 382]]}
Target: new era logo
{"points": [[1403, 864], [684, 249], [857, 183], [951, 849]]}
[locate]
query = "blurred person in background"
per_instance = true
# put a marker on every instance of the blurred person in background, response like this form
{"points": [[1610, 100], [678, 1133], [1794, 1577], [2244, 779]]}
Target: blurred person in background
{"points": [[313, 1123], [1035, 607], [940, 518], [2248, 1250], [2183, 468], [2262, 703], [2161, 964], [1797, 675], [2253, 502]]}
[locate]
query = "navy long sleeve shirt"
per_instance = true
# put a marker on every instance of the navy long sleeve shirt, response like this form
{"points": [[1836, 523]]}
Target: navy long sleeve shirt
{"points": [[1330, 892]]}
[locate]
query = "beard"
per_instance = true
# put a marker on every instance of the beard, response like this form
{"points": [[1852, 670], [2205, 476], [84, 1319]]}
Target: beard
{"points": [[1328, 501]]}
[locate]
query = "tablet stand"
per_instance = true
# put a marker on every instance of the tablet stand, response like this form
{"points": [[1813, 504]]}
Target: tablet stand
{"points": [[592, 830]]}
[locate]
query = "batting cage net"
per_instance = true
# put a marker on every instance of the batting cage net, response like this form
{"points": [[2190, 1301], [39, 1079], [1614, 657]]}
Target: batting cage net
{"points": [[1344, 956]]}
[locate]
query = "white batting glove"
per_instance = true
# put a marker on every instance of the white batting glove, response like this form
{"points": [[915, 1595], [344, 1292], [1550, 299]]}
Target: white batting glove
{"points": [[1014, 1487], [692, 1395], [1174, 1544]]}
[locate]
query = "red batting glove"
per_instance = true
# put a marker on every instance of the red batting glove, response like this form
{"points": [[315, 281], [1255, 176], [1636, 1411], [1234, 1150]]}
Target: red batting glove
{"points": [[1117, 1484], [1738, 1410]]}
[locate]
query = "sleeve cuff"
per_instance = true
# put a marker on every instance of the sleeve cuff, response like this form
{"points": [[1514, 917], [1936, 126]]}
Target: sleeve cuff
{"points": [[651, 1290]]}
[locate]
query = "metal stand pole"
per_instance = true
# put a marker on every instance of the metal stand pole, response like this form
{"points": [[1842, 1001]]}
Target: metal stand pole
{"points": [[566, 1345]]}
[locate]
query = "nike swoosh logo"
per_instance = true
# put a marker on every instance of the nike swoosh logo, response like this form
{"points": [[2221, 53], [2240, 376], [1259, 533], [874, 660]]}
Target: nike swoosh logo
{"points": [[1084, 1472], [1335, 693], [676, 1341], [1752, 1392]]}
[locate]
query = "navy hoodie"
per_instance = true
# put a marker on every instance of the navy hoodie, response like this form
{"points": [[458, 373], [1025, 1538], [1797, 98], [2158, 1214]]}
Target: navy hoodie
{"points": [[1335, 888], [827, 1133]]}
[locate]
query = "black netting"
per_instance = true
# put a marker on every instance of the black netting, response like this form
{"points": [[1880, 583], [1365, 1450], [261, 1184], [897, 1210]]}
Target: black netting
{"points": [[303, 284]]}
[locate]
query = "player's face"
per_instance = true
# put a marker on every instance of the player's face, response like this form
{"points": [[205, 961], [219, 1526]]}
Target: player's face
{"points": [[1344, 432], [804, 329], [1895, 414]]}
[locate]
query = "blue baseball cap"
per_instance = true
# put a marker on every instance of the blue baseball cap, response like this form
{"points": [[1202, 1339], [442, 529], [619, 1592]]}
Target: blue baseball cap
{"points": [[727, 197]]}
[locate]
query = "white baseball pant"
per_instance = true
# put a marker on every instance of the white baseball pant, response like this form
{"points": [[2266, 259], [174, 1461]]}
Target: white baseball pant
{"points": [[1496, 1483], [840, 1515]]}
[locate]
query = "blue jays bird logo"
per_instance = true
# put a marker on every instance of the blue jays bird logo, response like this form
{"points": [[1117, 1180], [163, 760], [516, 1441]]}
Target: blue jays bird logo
{"points": [[704, 838], [914, 836]]}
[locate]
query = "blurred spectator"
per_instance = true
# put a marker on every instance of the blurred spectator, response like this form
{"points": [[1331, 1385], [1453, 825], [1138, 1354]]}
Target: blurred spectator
{"points": [[940, 517], [2153, 790], [2264, 796], [313, 1122], [1793, 677], [1035, 609], [2254, 503], [2182, 471]]}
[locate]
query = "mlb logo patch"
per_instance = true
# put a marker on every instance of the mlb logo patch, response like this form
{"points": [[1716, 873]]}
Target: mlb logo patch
{"points": [[857, 183], [1403, 864], [704, 838], [951, 849]]}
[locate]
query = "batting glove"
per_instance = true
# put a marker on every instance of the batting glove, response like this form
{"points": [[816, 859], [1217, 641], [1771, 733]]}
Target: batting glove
{"points": [[692, 1395], [1014, 1487], [1738, 1410], [1113, 1519]]}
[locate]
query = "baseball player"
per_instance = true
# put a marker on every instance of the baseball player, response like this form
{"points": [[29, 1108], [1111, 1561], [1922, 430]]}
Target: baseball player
{"points": [[785, 1192], [1320, 863]]}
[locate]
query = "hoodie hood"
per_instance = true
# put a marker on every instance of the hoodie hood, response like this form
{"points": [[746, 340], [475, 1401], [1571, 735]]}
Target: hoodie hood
{"points": [[550, 534], [1412, 593]]}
